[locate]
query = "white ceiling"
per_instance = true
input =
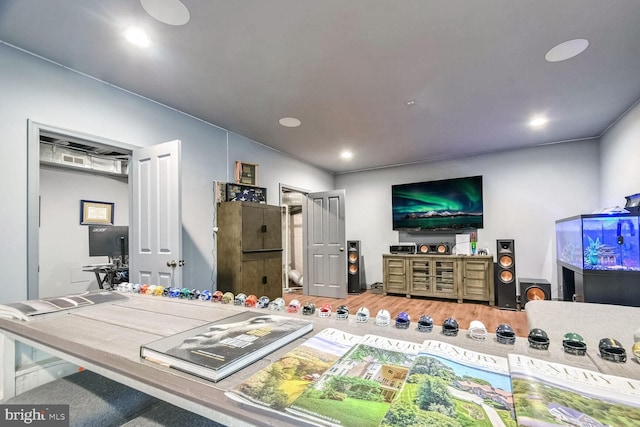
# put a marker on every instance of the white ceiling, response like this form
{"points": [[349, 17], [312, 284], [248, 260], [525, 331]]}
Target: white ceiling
{"points": [[346, 68]]}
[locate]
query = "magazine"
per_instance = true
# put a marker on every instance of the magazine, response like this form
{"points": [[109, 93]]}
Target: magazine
{"points": [[453, 386], [279, 384], [548, 393], [218, 349], [34, 309], [359, 388]]}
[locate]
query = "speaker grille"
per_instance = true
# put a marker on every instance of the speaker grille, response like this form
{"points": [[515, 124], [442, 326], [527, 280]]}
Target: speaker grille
{"points": [[535, 294], [506, 276], [505, 261], [442, 248]]}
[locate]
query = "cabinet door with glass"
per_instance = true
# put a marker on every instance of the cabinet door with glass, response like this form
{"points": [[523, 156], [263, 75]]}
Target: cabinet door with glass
{"points": [[445, 282], [477, 281], [421, 276], [394, 268]]}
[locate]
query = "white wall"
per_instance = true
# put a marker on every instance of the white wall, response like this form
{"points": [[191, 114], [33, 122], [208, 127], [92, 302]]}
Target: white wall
{"points": [[36, 89], [525, 192], [619, 154], [61, 262]]}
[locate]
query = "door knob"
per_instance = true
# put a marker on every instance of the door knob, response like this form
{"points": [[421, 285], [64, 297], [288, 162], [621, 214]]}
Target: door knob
{"points": [[341, 249], [172, 263]]}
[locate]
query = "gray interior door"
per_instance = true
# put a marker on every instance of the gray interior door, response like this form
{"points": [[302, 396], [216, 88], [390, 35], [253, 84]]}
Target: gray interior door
{"points": [[155, 233], [326, 265]]}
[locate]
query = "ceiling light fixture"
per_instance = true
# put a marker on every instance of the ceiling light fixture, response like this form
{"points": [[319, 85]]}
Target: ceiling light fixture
{"points": [[566, 50], [137, 37], [290, 122], [538, 121], [171, 12], [346, 155], [410, 103]]}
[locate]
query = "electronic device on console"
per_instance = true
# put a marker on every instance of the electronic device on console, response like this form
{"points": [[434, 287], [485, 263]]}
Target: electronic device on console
{"points": [[403, 248]]}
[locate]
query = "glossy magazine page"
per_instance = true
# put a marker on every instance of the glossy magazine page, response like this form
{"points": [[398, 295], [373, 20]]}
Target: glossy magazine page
{"points": [[33, 309], [359, 388], [547, 393], [453, 386], [279, 384]]}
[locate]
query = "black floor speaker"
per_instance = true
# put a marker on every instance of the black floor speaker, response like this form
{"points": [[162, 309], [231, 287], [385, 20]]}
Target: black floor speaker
{"points": [[533, 289], [505, 275], [355, 275]]}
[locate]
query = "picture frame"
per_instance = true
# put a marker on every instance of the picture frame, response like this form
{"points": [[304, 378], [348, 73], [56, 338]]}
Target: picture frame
{"points": [[96, 213], [246, 173]]}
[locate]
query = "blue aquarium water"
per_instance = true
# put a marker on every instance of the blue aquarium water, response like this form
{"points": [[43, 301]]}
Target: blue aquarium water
{"points": [[599, 242]]}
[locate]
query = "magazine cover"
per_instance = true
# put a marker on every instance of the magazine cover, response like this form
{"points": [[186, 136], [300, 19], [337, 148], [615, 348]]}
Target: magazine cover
{"points": [[452, 386], [32, 309], [280, 383], [359, 388], [217, 349], [550, 394]]}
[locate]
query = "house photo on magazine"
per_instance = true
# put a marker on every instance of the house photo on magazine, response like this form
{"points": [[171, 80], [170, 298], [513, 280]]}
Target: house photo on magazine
{"points": [[279, 384], [359, 388], [550, 394], [454, 387]]}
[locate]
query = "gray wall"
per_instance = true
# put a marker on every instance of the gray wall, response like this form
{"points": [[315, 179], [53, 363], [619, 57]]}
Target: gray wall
{"points": [[619, 154], [64, 243], [525, 192], [47, 93]]}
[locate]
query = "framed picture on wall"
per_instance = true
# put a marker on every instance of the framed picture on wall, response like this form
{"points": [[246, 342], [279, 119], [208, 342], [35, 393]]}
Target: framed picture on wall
{"points": [[92, 212], [246, 173]]}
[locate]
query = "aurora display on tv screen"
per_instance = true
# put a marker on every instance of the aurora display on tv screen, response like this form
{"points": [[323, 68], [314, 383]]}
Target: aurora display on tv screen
{"points": [[445, 205]]}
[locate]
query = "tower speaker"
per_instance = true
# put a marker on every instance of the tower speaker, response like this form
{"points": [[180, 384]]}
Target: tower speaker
{"points": [[505, 275], [534, 289], [355, 276]]}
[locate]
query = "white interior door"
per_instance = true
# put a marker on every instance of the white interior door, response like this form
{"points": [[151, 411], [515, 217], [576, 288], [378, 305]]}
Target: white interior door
{"points": [[326, 265], [155, 255]]}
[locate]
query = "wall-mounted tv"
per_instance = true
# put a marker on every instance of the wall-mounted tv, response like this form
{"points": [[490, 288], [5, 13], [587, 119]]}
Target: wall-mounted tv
{"points": [[445, 205]]}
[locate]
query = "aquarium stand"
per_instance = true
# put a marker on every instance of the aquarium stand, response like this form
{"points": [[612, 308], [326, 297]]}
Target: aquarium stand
{"points": [[605, 287]]}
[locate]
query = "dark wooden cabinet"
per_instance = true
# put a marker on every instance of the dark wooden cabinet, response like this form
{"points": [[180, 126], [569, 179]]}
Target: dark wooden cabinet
{"points": [[249, 243]]}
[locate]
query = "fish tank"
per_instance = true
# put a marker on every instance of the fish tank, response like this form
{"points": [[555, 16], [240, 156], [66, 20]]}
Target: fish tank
{"points": [[599, 242]]}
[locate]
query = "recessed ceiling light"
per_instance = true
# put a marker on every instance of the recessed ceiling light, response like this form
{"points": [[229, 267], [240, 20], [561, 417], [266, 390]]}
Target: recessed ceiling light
{"points": [[410, 103], [346, 154], [290, 122], [137, 36], [538, 121], [566, 50], [172, 12]]}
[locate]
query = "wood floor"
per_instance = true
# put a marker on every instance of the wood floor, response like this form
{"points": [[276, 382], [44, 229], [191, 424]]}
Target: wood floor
{"points": [[439, 310]]}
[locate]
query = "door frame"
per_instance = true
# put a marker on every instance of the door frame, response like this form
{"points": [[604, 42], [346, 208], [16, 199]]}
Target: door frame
{"points": [[285, 272], [33, 191]]}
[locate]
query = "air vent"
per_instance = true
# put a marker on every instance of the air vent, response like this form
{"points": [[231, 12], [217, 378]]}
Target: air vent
{"points": [[74, 157]]}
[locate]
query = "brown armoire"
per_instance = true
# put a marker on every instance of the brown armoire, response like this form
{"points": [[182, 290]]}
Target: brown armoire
{"points": [[249, 243]]}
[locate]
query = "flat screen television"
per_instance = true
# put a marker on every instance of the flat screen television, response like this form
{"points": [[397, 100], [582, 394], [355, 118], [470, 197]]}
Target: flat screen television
{"points": [[445, 205], [111, 241]]}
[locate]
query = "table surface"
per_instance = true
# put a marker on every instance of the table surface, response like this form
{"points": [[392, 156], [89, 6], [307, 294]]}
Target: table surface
{"points": [[593, 322], [106, 339]]}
